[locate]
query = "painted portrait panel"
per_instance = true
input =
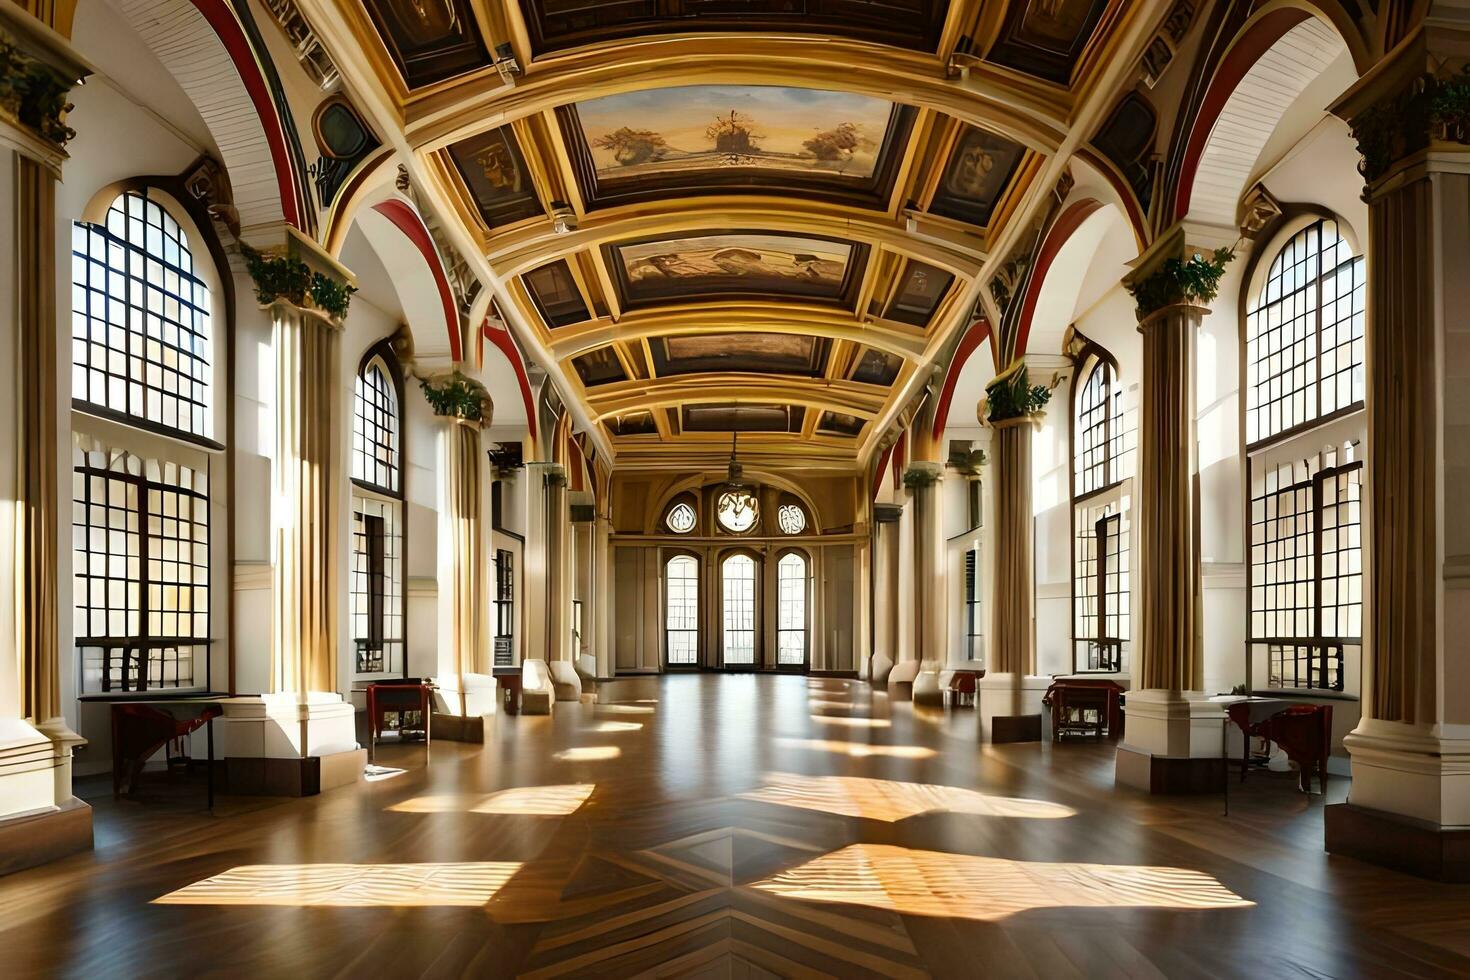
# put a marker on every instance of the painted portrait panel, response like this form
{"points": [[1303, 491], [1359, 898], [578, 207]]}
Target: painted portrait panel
{"points": [[978, 171], [1045, 37], [735, 264], [555, 293], [877, 367], [494, 169], [430, 40], [921, 291]]}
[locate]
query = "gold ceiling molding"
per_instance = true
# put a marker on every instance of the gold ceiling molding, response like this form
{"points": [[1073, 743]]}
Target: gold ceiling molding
{"points": [[624, 397], [1032, 113], [775, 318], [534, 244], [709, 451]]}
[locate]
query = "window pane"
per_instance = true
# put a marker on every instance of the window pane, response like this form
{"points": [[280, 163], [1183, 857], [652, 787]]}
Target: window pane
{"points": [[682, 610], [738, 581], [791, 611], [375, 429]]}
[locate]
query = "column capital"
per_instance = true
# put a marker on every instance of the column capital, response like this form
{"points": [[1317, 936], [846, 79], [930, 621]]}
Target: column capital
{"points": [[300, 275], [1175, 273], [37, 69], [1011, 395], [1413, 107], [458, 398], [922, 474]]}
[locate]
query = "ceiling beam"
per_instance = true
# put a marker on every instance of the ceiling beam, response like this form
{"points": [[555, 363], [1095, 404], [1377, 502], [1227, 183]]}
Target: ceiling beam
{"points": [[623, 397]]}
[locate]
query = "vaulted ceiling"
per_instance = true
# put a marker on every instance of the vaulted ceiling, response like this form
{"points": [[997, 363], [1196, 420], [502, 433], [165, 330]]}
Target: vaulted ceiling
{"points": [[770, 216]]}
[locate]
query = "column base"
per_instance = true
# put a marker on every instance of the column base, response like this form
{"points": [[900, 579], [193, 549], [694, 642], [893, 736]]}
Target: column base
{"points": [[1009, 707], [458, 728], [927, 691], [460, 715], [538, 693], [901, 680], [31, 839], [879, 668], [565, 681], [291, 744], [1175, 743], [1165, 776], [1398, 842]]}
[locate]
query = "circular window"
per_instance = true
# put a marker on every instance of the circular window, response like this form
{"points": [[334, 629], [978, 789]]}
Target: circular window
{"points": [[737, 511], [791, 519], [681, 518]]}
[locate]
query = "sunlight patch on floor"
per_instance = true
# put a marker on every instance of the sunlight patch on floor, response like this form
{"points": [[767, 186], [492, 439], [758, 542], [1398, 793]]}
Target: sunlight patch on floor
{"points": [[610, 727], [854, 722], [964, 886], [857, 749], [890, 800], [625, 709], [531, 801], [588, 753], [349, 885]]}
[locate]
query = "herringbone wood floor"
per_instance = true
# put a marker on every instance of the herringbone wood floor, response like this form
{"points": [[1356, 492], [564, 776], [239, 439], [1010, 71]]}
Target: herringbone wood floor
{"points": [[735, 833]]}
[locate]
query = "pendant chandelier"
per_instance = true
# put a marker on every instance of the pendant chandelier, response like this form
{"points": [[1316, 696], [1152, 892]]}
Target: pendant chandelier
{"points": [[737, 508]]}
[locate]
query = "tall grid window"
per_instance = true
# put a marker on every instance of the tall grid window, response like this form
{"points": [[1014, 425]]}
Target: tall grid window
{"points": [[375, 456], [1304, 334], [1101, 587], [738, 578], [140, 539], [140, 319], [791, 610], [376, 587], [681, 589], [1306, 597], [1098, 457], [505, 607], [972, 604]]}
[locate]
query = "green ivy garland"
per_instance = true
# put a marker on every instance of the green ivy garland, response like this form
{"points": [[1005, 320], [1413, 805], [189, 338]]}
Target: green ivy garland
{"points": [[916, 478], [288, 278], [34, 94], [1014, 396], [456, 396], [1196, 280]]}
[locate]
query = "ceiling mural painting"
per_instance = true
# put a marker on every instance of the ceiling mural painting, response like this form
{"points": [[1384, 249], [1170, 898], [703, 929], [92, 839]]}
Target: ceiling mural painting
{"points": [[429, 40], [877, 367], [976, 174], [736, 139], [599, 367], [494, 171], [556, 25], [1046, 38], [735, 264], [762, 353]]}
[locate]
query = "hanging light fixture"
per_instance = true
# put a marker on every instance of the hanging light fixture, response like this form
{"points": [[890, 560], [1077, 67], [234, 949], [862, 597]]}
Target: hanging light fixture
{"points": [[737, 508]]}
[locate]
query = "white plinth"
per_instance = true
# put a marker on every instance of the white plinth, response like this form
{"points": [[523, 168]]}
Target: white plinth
{"points": [[289, 726], [478, 696], [565, 682], [1412, 771], [880, 667], [537, 690], [1009, 696], [1175, 725]]}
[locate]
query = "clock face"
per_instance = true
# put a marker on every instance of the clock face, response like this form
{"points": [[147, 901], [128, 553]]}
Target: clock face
{"points": [[681, 518], [737, 511], [791, 519]]}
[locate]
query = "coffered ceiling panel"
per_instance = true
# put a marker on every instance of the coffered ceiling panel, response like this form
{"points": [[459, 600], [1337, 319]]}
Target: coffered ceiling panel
{"points": [[749, 264], [429, 40], [742, 418], [1046, 37], [599, 367], [554, 292], [876, 367], [736, 139], [559, 24], [765, 353], [840, 424], [977, 171], [495, 173], [920, 290]]}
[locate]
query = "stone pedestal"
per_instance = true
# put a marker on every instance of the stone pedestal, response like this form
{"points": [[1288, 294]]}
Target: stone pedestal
{"points": [[1174, 743], [1009, 707], [901, 680], [465, 706]]}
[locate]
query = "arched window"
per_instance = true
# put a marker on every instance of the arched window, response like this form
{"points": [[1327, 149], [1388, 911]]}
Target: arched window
{"points": [[1304, 346], [1100, 518], [737, 577], [375, 587], [681, 622], [375, 439], [737, 510], [791, 610], [1097, 455], [141, 320], [142, 345]]}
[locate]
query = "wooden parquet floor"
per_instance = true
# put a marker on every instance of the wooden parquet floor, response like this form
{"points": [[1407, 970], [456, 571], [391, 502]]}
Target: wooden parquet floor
{"points": [[728, 826]]}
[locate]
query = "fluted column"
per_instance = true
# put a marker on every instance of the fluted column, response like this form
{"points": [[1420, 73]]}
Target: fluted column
{"points": [[462, 408], [1409, 803], [1166, 541], [931, 637], [1013, 645], [40, 818], [1173, 739], [885, 593], [305, 514]]}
